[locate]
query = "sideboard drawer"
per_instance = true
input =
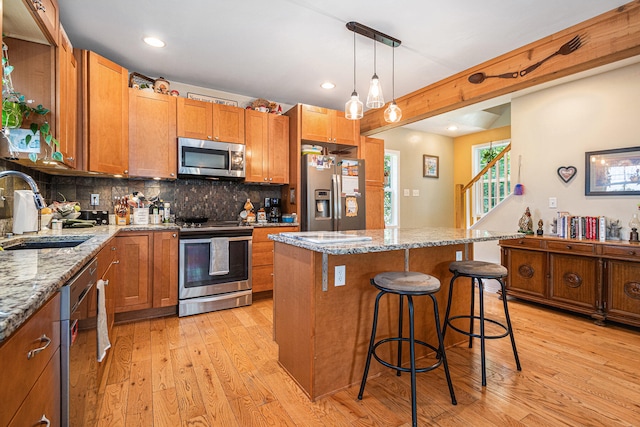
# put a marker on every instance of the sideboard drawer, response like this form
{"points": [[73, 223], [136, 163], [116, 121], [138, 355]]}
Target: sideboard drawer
{"points": [[524, 242], [571, 246], [629, 252]]}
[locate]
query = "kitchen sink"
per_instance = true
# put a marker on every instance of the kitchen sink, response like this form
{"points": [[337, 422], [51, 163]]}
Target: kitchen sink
{"points": [[46, 243]]}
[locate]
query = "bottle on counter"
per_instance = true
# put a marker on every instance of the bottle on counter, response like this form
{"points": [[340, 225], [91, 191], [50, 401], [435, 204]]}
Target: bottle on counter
{"points": [[167, 212]]}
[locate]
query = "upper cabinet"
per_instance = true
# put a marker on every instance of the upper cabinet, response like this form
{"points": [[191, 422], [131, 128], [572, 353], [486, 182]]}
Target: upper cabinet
{"points": [[33, 20], [267, 139], [329, 126], [67, 100], [105, 105], [205, 120], [153, 144]]}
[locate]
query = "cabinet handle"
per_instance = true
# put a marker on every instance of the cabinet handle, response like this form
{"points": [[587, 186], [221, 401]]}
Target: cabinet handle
{"points": [[46, 340], [270, 179], [71, 159], [216, 138], [44, 420], [265, 178], [568, 246], [632, 252], [126, 171], [209, 137], [105, 282], [174, 235], [113, 248], [172, 174]]}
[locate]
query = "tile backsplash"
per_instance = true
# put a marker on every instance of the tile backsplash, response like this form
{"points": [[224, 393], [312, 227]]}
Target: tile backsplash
{"points": [[216, 200]]}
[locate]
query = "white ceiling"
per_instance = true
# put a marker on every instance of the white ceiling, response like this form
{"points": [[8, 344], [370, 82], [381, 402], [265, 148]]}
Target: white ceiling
{"points": [[282, 50]]}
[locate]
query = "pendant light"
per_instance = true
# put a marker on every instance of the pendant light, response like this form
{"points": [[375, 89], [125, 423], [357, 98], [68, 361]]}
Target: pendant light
{"points": [[374, 97], [393, 113], [353, 108]]}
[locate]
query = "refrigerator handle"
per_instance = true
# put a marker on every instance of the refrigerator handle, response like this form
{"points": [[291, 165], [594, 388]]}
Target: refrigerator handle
{"points": [[338, 196]]}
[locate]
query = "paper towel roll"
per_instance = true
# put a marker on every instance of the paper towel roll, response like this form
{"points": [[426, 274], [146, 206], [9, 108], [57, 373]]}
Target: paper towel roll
{"points": [[25, 213]]}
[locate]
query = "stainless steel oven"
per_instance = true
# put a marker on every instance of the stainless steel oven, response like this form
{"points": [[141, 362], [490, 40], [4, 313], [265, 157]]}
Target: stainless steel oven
{"points": [[215, 268]]}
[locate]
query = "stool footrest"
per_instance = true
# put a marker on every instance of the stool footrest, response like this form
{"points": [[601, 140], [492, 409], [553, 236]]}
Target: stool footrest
{"points": [[401, 368], [469, 334]]}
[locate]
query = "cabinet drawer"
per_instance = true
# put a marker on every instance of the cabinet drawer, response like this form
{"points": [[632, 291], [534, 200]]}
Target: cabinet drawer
{"points": [[525, 243], [13, 356], [262, 254], [571, 246], [260, 234], [44, 398], [629, 252], [262, 278]]}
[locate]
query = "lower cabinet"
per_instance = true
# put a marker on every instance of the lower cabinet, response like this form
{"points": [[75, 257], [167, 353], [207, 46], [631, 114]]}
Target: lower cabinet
{"points": [[600, 279], [31, 384], [262, 257], [147, 276]]}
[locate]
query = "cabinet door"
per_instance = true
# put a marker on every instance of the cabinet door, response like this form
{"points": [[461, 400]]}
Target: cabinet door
{"points": [[165, 268], [47, 16], [108, 116], [345, 131], [316, 124], [133, 277], [257, 150], [373, 149], [623, 291], [228, 124], [278, 149], [574, 280], [195, 119], [67, 107], [527, 272], [375, 207], [153, 146]]}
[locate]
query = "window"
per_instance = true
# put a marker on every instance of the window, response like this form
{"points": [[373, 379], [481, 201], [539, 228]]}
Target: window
{"points": [[391, 185], [495, 184]]}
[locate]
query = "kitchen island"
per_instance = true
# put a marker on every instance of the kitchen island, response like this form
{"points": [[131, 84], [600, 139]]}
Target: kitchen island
{"points": [[323, 328]]}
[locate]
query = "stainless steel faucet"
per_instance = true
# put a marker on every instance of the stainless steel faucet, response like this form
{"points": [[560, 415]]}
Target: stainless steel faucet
{"points": [[37, 198]]}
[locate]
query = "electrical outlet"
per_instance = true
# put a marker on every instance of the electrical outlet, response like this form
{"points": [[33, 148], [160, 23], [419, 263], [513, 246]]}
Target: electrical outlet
{"points": [[416, 193], [95, 199], [407, 193], [553, 202], [458, 255], [340, 278]]}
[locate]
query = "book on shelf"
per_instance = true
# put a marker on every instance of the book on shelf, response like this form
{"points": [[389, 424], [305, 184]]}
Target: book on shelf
{"points": [[581, 227]]}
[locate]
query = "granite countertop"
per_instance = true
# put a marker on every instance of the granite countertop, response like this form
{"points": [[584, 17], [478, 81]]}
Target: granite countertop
{"points": [[29, 277], [363, 241], [274, 224]]}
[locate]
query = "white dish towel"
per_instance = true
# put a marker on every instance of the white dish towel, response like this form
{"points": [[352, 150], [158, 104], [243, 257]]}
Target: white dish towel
{"points": [[103, 331], [219, 257]]}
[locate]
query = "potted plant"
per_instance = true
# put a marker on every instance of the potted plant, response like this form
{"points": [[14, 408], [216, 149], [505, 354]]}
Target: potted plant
{"points": [[16, 108]]}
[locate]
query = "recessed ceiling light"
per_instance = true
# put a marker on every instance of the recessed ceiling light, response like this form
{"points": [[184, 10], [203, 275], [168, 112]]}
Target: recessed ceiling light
{"points": [[327, 85], [452, 128], [152, 41]]}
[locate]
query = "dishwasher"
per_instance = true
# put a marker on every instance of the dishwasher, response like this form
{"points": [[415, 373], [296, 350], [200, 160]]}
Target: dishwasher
{"points": [[78, 345]]}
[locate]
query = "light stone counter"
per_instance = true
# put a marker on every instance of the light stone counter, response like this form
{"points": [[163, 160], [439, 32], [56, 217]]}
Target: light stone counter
{"points": [[29, 277]]}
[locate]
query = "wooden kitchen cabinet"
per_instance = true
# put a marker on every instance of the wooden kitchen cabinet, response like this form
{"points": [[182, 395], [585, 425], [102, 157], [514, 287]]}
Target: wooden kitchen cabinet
{"points": [[599, 279], [67, 100], [328, 126], [267, 151], [372, 150], [33, 384], [147, 276], [106, 115], [46, 14], [262, 257], [208, 121], [133, 277], [165, 268], [153, 147]]}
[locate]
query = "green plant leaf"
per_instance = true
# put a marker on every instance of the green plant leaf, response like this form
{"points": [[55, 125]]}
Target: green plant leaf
{"points": [[48, 139], [33, 157], [8, 69], [27, 139], [34, 128], [44, 128], [57, 156]]}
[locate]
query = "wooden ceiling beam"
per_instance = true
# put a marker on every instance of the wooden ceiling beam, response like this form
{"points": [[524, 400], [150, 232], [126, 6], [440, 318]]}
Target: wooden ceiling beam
{"points": [[607, 38]]}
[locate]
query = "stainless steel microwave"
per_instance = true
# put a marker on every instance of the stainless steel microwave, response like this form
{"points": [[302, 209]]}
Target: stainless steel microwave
{"points": [[198, 157]]}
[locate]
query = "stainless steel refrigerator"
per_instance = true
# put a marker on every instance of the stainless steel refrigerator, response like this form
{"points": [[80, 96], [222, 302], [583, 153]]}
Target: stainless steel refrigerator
{"points": [[332, 194]]}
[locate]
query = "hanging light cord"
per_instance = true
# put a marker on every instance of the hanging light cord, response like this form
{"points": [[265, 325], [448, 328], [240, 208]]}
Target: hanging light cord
{"points": [[354, 61], [393, 73], [374, 58]]}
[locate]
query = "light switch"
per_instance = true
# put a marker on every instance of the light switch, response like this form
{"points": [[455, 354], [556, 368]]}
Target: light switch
{"points": [[416, 193], [406, 192], [553, 202]]}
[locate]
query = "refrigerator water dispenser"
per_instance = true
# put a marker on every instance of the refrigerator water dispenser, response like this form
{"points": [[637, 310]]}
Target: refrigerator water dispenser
{"points": [[323, 204]]}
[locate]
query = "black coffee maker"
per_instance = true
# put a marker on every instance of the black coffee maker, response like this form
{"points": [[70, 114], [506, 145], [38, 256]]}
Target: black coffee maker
{"points": [[272, 208]]}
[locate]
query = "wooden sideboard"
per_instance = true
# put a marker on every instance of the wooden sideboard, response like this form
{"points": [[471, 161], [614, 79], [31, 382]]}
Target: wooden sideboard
{"points": [[599, 279]]}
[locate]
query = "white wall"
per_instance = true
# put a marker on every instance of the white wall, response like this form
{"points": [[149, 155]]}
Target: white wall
{"points": [[434, 206], [555, 127]]}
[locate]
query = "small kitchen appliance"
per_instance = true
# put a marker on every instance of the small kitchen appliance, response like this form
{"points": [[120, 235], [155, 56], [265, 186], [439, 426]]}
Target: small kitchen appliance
{"points": [[275, 213]]}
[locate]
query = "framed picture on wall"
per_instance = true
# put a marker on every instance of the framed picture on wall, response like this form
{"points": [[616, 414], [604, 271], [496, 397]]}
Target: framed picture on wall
{"points": [[612, 172], [430, 166]]}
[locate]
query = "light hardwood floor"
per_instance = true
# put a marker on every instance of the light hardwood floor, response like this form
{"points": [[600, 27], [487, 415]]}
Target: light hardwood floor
{"points": [[221, 369]]}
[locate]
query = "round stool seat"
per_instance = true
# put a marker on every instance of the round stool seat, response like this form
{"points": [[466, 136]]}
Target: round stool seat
{"points": [[483, 269], [407, 281]]}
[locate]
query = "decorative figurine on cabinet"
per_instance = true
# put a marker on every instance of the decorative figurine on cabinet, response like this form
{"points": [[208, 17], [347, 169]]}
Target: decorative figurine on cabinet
{"points": [[540, 232], [613, 230], [525, 225]]}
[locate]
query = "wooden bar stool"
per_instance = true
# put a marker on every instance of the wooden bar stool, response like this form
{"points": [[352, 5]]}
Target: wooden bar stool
{"points": [[478, 270], [407, 284]]}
